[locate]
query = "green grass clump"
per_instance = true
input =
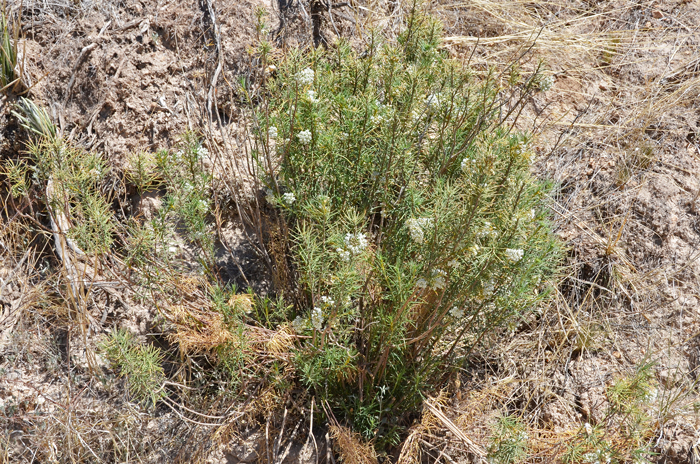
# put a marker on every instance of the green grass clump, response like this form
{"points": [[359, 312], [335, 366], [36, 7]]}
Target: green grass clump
{"points": [[67, 178], [509, 441], [75, 176], [188, 198], [8, 52], [140, 364], [626, 432], [414, 225]]}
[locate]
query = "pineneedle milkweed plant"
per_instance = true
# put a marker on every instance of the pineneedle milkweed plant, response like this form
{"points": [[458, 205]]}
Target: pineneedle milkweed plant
{"points": [[413, 222]]}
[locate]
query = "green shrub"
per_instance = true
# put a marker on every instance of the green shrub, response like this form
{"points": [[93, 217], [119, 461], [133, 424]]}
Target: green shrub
{"points": [[75, 177], [414, 224], [188, 197], [627, 431], [140, 364], [509, 441], [67, 177]]}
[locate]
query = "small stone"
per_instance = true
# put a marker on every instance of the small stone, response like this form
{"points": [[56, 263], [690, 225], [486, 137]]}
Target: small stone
{"points": [[657, 14]]}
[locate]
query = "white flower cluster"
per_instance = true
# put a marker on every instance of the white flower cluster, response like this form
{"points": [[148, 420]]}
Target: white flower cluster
{"points": [[453, 263], [201, 152], [596, 457], [327, 301], [514, 255], [272, 132], [438, 280], [490, 287], [289, 198], [417, 228], [457, 313], [317, 318], [416, 115], [376, 119], [304, 136], [299, 324], [546, 83], [356, 243], [432, 100], [305, 76], [311, 95], [203, 207], [487, 230], [344, 254], [468, 164]]}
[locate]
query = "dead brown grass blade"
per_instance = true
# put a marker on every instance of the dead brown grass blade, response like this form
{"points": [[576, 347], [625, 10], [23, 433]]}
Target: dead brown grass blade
{"points": [[350, 447], [478, 452]]}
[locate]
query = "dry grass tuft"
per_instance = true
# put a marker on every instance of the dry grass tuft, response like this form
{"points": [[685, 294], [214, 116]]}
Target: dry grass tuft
{"points": [[350, 448], [198, 331]]}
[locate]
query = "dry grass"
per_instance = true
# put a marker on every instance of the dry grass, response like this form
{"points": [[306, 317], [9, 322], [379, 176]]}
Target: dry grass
{"points": [[350, 448]]}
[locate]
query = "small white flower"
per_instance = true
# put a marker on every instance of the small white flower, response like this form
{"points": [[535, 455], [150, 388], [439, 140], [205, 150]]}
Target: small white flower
{"points": [[304, 136], [546, 83], [532, 214], [468, 164], [311, 94], [438, 279], [453, 264], [344, 254], [651, 396], [327, 301], [416, 115], [317, 318], [489, 288], [305, 76], [272, 132], [589, 429], [457, 313], [201, 151], [514, 255], [356, 243], [487, 230], [432, 100], [376, 119], [417, 228], [422, 283], [289, 198], [298, 324]]}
